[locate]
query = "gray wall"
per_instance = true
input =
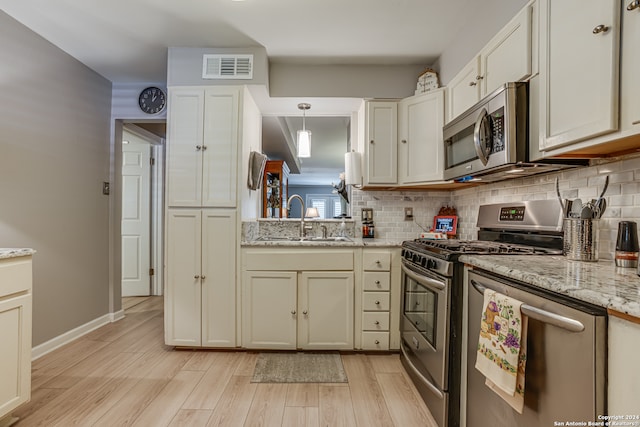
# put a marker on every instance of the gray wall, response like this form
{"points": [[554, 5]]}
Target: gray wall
{"points": [[54, 156], [477, 31]]}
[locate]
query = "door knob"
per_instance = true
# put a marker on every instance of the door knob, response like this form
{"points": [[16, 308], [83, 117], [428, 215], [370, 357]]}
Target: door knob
{"points": [[600, 29]]}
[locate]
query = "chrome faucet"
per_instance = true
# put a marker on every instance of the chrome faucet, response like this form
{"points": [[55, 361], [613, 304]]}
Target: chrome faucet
{"points": [[295, 196]]}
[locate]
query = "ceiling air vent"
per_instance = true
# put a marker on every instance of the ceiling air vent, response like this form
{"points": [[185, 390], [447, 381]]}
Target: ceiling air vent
{"points": [[227, 67]]}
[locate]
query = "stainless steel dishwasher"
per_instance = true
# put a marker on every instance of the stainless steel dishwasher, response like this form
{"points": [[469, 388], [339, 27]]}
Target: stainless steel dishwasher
{"points": [[565, 376]]}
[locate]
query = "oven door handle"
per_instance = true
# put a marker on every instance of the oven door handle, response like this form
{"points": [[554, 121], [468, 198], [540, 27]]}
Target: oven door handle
{"points": [[545, 316], [432, 388], [428, 282]]}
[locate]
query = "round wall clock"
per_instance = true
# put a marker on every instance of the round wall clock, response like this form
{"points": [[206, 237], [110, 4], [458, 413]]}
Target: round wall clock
{"points": [[152, 100]]}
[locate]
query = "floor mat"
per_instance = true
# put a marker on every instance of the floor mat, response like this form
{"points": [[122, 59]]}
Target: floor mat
{"points": [[299, 368]]}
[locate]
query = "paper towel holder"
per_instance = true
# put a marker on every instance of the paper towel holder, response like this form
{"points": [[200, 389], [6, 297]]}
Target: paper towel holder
{"points": [[353, 168]]}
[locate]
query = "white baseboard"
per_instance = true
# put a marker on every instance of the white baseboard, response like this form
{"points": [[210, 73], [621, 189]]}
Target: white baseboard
{"points": [[57, 342]]}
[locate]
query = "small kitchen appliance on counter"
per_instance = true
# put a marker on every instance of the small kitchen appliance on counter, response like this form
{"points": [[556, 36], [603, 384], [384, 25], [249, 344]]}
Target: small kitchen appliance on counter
{"points": [[627, 245], [432, 287]]}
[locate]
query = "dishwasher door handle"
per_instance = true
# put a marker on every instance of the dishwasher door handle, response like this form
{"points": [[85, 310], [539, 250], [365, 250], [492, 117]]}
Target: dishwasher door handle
{"points": [[545, 316]]}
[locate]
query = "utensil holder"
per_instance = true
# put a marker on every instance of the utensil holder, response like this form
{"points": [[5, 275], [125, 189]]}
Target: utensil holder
{"points": [[581, 239]]}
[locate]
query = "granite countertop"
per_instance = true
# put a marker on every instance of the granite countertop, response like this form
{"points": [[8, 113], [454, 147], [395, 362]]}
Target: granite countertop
{"points": [[15, 252], [356, 242], [600, 283]]}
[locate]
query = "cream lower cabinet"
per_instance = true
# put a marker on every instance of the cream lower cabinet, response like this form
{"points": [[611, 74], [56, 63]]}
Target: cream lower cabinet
{"points": [[624, 372], [380, 299], [290, 300], [15, 334], [200, 302]]}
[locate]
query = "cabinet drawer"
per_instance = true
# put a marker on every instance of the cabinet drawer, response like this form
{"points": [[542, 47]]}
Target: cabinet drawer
{"points": [[376, 261], [375, 340], [15, 276], [375, 301], [374, 281], [374, 321]]}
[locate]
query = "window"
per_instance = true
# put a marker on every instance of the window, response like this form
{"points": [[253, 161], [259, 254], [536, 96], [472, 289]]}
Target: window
{"points": [[328, 205]]}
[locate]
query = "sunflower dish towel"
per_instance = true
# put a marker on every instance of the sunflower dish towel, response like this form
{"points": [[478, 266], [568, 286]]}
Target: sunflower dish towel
{"points": [[501, 355]]}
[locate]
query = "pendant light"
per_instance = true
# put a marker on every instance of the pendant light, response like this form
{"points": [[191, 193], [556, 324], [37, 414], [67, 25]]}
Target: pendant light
{"points": [[304, 135]]}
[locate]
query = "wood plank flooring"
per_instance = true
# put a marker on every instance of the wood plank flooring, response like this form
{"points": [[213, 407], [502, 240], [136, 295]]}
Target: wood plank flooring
{"points": [[123, 375]]}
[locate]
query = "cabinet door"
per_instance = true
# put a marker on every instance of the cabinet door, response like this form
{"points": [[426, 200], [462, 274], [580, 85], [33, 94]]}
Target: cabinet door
{"points": [[578, 70], [382, 142], [325, 308], [420, 151], [219, 278], [15, 352], [630, 62], [220, 147], [463, 91], [624, 373], [183, 300], [184, 159], [507, 57], [269, 309]]}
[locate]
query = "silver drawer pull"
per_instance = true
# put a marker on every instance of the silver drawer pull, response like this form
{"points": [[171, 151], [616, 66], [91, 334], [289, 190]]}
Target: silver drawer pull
{"points": [[377, 282], [377, 342], [600, 29], [376, 323], [377, 302]]}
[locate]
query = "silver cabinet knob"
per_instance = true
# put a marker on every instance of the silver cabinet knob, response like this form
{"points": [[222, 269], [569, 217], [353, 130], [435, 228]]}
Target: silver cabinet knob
{"points": [[633, 5], [197, 276], [371, 142], [479, 77], [204, 147], [377, 303], [203, 277], [198, 147], [600, 29], [377, 282], [377, 342], [376, 323], [404, 141], [472, 83], [305, 312], [293, 312]]}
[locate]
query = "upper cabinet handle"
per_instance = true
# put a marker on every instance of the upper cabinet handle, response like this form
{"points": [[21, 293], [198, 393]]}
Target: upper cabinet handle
{"points": [[600, 29], [479, 77], [633, 5], [472, 83]]}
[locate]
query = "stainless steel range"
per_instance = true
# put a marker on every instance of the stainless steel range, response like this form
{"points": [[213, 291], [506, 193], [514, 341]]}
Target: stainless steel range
{"points": [[432, 280]]}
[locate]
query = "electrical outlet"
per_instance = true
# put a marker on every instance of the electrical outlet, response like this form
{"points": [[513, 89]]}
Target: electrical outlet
{"points": [[408, 214], [106, 188]]}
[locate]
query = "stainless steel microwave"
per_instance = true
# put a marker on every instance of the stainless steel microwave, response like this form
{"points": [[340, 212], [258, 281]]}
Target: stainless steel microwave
{"points": [[490, 137]]}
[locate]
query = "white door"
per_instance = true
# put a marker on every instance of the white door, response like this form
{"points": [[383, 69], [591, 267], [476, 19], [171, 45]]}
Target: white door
{"points": [[136, 216]]}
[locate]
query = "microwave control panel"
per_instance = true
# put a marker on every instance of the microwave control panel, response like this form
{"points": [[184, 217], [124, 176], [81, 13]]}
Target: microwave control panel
{"points": [[497, 130]]}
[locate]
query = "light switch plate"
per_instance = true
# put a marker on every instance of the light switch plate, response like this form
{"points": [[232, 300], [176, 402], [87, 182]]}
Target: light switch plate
{"points": [[408, 214]]}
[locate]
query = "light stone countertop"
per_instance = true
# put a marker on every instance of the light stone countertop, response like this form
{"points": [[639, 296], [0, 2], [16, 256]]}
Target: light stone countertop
{"points": [[600, 283], [356, 242], [15, 252]]}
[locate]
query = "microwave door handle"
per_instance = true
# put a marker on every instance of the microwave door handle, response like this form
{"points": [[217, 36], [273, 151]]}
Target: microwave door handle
{"points": [[541, 315], [482, 136]]}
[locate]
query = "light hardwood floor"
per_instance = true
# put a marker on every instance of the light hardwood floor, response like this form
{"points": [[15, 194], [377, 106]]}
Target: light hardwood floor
{"points": [[122, 374]]}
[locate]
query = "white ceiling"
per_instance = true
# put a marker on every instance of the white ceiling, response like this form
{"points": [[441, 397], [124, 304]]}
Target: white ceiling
{"points": [[127, 40]]}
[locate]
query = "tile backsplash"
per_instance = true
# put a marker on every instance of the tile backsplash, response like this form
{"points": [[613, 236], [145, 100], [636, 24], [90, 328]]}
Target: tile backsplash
{"points": [[622, 196]]}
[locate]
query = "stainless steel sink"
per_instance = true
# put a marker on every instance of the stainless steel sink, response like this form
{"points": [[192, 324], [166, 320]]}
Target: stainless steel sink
{"points": [[303, 239]]}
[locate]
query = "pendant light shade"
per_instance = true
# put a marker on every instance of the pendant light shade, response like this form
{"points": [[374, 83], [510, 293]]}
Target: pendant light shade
{"points": [[304, 135]]}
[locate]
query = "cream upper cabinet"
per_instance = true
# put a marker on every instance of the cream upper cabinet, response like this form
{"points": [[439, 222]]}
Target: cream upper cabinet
{"points": [[202, 148], [420, 121], [200, 302], [15, 334], [463, 90], [506, 58], [381, 142], [630, 67], [578, 70]]}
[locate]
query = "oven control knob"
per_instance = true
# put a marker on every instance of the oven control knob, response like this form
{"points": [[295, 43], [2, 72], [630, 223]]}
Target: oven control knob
{"points": [[432, 264], [417, 258], [424, 262]]}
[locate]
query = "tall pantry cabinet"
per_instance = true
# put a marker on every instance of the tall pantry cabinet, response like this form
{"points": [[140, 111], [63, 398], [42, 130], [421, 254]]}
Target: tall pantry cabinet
{"points": [[203, 151]]}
